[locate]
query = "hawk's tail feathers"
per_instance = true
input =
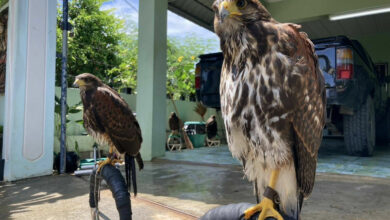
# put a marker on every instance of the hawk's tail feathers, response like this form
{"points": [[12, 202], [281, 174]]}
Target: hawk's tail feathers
{"points": [[139, 161], [130, 173]]}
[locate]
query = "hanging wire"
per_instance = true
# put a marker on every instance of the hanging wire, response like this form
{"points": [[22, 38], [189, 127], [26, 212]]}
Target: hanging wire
{"points": [[131, 5]]}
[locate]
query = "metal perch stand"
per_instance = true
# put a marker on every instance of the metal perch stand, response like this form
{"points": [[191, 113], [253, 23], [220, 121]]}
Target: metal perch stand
{"points": [[118, 187]]}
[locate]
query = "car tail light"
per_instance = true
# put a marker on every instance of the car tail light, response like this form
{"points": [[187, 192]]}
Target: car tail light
{"points": [[197, 76], [344, 63]]}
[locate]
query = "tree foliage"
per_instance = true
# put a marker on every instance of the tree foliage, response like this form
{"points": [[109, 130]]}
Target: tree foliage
{"points": [[125, 75], [94, 48], [107, 47], [182, 56]]}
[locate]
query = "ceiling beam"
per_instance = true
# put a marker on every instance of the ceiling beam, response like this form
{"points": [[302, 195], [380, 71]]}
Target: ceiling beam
{"points": [[304, 10]]}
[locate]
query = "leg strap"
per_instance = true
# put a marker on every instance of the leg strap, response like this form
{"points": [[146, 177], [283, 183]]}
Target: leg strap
{"points": [[272, 195]]}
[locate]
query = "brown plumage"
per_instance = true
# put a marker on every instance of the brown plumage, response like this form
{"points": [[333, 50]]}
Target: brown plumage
{"points": [[174, 122], [272, 98], [211, 127], [108, 118]]}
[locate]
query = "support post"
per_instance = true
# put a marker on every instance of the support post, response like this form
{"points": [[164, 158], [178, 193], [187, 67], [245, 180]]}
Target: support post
{"points": [[152, 67], [29, 91], [64, 86]]}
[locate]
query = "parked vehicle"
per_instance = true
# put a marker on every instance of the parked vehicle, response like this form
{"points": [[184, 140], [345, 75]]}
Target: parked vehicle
{"points": [[358, 106], [207, 78]]}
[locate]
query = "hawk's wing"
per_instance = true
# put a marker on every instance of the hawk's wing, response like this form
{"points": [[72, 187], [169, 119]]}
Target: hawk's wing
{"points": [[117, 119], [307, 91]]}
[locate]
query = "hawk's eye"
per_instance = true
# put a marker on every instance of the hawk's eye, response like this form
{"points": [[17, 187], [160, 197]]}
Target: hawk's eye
{"points": [[241, 3]]}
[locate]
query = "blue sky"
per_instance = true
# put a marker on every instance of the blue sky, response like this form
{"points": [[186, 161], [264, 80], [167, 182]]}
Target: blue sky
{"points": [[177, 26]]}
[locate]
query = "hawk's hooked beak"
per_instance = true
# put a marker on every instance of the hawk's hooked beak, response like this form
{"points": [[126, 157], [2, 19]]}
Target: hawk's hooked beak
{"points": [[227, 9], [78, 82]]}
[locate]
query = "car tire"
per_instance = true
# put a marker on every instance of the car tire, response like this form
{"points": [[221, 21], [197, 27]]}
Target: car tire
{"points": [[383, 127], [359, 130]]}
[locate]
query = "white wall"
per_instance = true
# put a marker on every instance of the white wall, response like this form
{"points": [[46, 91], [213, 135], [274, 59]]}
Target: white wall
{"points": [[75, 131]]}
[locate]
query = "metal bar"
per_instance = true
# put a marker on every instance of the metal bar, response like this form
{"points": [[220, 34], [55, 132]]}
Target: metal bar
{"points": [[131, 6], [64, 86], [83, 172], [95, 151], [87, 167]]}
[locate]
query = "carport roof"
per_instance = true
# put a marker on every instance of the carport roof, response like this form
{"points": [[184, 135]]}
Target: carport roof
{"points": [[316, 25], [197, 11]]}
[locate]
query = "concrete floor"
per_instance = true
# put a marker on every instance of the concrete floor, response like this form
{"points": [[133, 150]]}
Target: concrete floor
{"points": [[332, 158], [191, 185], [66, 197]]}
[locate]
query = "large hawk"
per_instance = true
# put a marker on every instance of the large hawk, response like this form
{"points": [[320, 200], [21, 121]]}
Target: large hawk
{"points": [[273, 103], [109, 120]]}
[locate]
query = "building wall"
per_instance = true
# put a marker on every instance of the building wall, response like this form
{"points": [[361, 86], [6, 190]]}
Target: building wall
{"points": [[377, 46]]}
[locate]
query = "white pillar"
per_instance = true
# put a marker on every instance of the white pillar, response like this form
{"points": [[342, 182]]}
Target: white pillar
{"points": [[151, 78], [29, 95]]}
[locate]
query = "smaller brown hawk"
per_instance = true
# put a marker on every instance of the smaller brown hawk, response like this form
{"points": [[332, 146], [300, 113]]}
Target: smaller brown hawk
{"points": [[211, 127], [109, 120], [174, 122]]}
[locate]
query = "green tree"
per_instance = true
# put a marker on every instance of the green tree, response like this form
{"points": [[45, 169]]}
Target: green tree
{"points": [[107, 47], [95, 44], [182, 56], [125, 75]]}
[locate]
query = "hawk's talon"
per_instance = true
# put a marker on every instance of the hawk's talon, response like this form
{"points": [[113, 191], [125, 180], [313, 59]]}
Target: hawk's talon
{"points": [[266, 209], [113, 162], [101, 164]]}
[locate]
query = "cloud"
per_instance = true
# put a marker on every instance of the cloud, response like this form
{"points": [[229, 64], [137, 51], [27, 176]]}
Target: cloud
{"points": [[122, 9], [177, 26]]}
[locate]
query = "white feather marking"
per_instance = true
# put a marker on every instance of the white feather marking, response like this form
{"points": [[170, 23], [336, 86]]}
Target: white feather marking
{"points": [[276, 93], [284, 116], [274, 119], [316, 120]]}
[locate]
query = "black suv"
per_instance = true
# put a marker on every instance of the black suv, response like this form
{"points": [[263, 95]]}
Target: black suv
{"points": [[357, 95]]}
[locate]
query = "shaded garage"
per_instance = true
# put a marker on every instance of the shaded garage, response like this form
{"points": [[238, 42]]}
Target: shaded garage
{"points": [[358, 102], [371, 30], [367, 24]]}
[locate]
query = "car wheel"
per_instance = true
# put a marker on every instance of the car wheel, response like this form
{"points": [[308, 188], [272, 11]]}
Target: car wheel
{"points": [[359, 130], [383, 127]]}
